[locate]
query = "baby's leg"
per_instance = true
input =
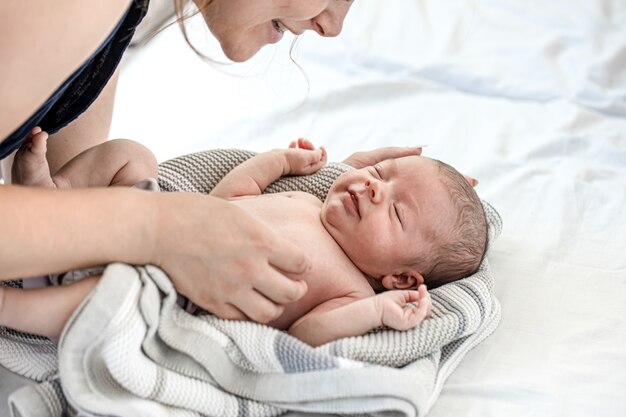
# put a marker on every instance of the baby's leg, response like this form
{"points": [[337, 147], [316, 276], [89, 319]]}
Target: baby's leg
{"points": [[42, 311], [115, 162], [30, 166]]}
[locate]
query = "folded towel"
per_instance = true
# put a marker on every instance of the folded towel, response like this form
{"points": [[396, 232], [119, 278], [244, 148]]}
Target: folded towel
{"points": [[130, 350]]}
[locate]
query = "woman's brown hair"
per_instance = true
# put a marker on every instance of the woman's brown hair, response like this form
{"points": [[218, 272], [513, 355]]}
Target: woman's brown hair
{"points": [[182, 17]]}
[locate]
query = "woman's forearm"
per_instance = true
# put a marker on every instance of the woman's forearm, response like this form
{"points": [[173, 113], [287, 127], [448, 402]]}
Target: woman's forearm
{"points": [[213, 251], [46, 231]]}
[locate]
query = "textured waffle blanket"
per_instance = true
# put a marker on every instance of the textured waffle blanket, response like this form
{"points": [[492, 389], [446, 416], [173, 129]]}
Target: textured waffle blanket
{"points": [[130, 350]]}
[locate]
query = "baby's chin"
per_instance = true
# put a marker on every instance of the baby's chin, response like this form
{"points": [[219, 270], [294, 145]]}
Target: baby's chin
{"points": [[324, 214], [330, 228]]}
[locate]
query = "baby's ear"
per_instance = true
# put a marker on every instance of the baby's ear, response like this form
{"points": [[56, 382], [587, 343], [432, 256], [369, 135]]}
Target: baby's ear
{"points": [[408, 281]]}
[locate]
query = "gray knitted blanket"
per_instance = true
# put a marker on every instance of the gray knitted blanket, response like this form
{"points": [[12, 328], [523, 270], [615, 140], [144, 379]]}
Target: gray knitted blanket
{"points": [[130, 350]]}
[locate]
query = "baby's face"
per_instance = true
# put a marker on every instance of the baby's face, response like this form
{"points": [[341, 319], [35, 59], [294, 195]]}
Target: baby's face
{"points": [[382, 216]]}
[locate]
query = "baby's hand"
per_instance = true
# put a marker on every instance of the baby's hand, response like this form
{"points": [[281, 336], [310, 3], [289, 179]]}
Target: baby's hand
{"points": [[302, 157], [397, 313]]}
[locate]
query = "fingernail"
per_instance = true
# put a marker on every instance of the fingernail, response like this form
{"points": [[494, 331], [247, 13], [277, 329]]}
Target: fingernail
{"points": [[421, 146]]}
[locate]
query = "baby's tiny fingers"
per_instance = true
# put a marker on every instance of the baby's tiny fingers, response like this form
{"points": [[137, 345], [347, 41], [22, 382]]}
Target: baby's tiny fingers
{"points": [[324, 154], [411, 296], [420, 313], [314, 159], [305, 144]]}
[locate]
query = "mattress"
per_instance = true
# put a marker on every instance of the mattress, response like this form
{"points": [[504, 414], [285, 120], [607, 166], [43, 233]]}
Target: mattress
{"points": [[528, 97]]}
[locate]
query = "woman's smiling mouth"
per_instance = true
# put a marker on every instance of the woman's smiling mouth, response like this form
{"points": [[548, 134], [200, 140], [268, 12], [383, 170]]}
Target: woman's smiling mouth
{"points": [[279, 30], [278, 25]]}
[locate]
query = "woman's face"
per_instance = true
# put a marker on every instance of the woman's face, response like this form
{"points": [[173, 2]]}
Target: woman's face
{"points": [[244, 26]]}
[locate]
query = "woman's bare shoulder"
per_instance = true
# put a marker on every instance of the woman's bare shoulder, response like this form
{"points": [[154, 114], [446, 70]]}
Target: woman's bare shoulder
{"points": [[41, 44]]}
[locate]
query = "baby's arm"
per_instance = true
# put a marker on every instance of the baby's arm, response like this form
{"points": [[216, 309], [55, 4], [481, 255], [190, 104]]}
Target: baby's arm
{"points": [[42, 311], [345, 317], [253, 176]]}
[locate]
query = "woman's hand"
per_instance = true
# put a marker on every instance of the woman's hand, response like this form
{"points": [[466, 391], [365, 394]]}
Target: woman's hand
{"points": [[369, 158], [365, 158], [223, 260], [396, 311]]}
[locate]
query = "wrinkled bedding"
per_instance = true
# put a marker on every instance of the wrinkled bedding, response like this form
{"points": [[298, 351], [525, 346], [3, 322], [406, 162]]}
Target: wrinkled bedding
{"points": [[528, 97]]}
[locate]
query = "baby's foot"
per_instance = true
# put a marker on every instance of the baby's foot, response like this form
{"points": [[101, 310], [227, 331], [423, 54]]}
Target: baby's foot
{"points": [[30, 166]]}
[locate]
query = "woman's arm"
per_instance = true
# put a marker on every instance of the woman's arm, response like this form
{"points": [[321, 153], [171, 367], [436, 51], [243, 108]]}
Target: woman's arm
{"points": [[50, 231], [346, 317], [219, 257], [253, 176]]}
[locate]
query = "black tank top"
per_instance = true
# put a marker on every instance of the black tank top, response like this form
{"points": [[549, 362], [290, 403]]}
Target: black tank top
{"points": [[78, 91]]}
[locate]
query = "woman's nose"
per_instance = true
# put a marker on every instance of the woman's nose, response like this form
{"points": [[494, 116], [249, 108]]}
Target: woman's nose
{"points": [[330, 22]]}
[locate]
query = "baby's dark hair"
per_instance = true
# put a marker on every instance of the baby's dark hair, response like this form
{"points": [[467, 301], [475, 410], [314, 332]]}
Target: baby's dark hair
{"points": [[459, 251]]}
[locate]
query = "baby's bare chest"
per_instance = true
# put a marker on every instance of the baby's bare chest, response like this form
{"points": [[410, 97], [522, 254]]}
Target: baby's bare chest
{"points": [[297, 218], [286, 213]]}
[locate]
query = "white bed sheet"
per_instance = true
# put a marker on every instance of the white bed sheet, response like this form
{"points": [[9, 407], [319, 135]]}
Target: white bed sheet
{"points": [[527, 96]]}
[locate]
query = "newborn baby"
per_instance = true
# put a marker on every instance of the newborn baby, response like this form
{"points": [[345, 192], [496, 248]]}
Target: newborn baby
{"points": [[382, 233]]}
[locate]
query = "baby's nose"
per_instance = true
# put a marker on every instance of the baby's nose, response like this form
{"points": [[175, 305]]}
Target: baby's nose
{"points": [[374, 190]]}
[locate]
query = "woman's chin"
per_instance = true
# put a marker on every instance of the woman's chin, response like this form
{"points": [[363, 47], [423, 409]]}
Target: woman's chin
{"points": [[240, 55]]}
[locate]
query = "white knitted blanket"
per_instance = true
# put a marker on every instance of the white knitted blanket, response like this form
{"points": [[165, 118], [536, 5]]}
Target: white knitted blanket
{"points": [[130, 350]]}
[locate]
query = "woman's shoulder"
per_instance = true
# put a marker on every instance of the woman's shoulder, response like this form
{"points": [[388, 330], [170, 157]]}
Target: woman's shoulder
{"points": [[43, 43]]}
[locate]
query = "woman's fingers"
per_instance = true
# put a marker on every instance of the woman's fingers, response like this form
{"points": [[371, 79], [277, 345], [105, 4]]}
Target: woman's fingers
{"points": [[368, 158], [230, 312], [258, 308], [287, 257], [280, 289], [473, 181], [219, 256]]}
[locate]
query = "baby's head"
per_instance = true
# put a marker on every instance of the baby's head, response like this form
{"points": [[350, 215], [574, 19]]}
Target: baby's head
{"points": [[407, 221]]}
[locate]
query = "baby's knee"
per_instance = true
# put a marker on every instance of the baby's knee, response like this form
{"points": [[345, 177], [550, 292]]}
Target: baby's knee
{"points": [[133, 152], [139, 162]]}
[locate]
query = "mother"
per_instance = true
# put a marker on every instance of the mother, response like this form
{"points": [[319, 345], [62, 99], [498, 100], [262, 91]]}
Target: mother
{"points": [[59, 70]]}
